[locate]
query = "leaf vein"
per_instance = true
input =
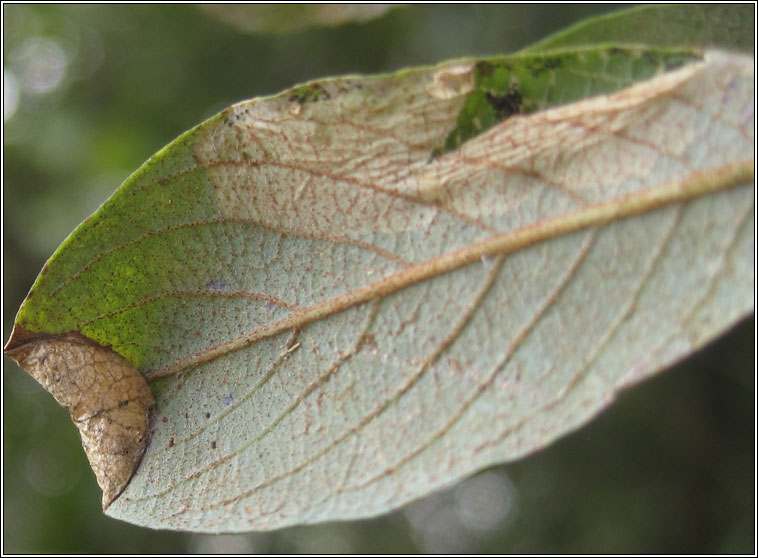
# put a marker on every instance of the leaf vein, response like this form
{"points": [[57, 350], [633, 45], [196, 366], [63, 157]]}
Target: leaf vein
{"points": [[515, 343], [387, 254], [428, 361], [323, 378]]}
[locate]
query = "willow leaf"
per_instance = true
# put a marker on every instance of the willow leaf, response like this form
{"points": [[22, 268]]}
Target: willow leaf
{"points": [[358, 291]]}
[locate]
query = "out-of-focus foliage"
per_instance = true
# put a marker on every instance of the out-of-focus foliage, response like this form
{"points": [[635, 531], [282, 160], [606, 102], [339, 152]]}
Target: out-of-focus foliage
{"points": [[285, 18], [704, 25], [91, 91]]}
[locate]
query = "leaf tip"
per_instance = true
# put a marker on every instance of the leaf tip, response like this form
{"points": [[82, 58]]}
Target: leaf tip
{"points": [[108, 400], [19, 336]]}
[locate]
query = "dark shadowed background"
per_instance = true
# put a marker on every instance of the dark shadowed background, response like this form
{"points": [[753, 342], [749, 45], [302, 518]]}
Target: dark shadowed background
{"points": [[90, 92]]}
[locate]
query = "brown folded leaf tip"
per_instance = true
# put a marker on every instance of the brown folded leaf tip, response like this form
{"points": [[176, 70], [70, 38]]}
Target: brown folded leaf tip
{"points": [[109, 401]]}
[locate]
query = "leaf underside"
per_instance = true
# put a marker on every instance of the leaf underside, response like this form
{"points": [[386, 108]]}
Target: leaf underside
{"points": [[356, 292]]}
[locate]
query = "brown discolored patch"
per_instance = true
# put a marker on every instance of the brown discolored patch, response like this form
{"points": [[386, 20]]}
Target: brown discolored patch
{"points": [[367, 340], [109, 401]]}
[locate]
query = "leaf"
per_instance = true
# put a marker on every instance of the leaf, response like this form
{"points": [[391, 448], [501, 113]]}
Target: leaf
{"points": [[283, 18], [705, 25], [340, 310]]}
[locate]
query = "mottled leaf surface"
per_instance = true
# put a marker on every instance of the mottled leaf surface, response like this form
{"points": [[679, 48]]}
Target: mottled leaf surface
{"points": [[341, 310]]}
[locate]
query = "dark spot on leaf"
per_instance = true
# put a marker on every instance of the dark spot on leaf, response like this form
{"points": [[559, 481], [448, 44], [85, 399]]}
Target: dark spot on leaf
{"points": [[171, 443], [539, 66], [505, 105], [651, 57], [213, 445], [165, 419], [309, 94], [485, 68], [207, 415], [677, 60], [368, 340], [616, 51]]}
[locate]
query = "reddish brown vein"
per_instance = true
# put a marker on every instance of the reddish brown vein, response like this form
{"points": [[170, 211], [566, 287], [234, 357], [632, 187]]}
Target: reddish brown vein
{"points": [[579, 375], [697, 304], [333, 177], [443, 346], [677, 191], [516, 342], [267, 375], [407, 385], [229, 220], [323, 378], [549, 302]]}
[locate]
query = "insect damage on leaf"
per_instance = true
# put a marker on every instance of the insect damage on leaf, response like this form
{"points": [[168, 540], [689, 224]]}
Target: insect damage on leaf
{"points": [[499, 88], [452, 81], [109, 401], [309, 93], [296, 246]]}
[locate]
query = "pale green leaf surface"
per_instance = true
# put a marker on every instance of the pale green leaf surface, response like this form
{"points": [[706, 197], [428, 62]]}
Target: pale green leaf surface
{"points": [[706, 25], [345, 319]]}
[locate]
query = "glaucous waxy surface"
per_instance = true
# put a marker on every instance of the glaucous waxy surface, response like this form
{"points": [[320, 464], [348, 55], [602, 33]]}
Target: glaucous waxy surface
{"points": [[355, 292]]}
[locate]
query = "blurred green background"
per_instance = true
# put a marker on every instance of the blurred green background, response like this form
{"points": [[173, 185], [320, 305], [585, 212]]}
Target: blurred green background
{"points": [[91, 91]]}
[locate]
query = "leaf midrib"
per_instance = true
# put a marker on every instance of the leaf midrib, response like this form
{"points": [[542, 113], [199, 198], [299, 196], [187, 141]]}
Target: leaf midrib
{"points": [[692, 186], [524, 332], [547, 303]]}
